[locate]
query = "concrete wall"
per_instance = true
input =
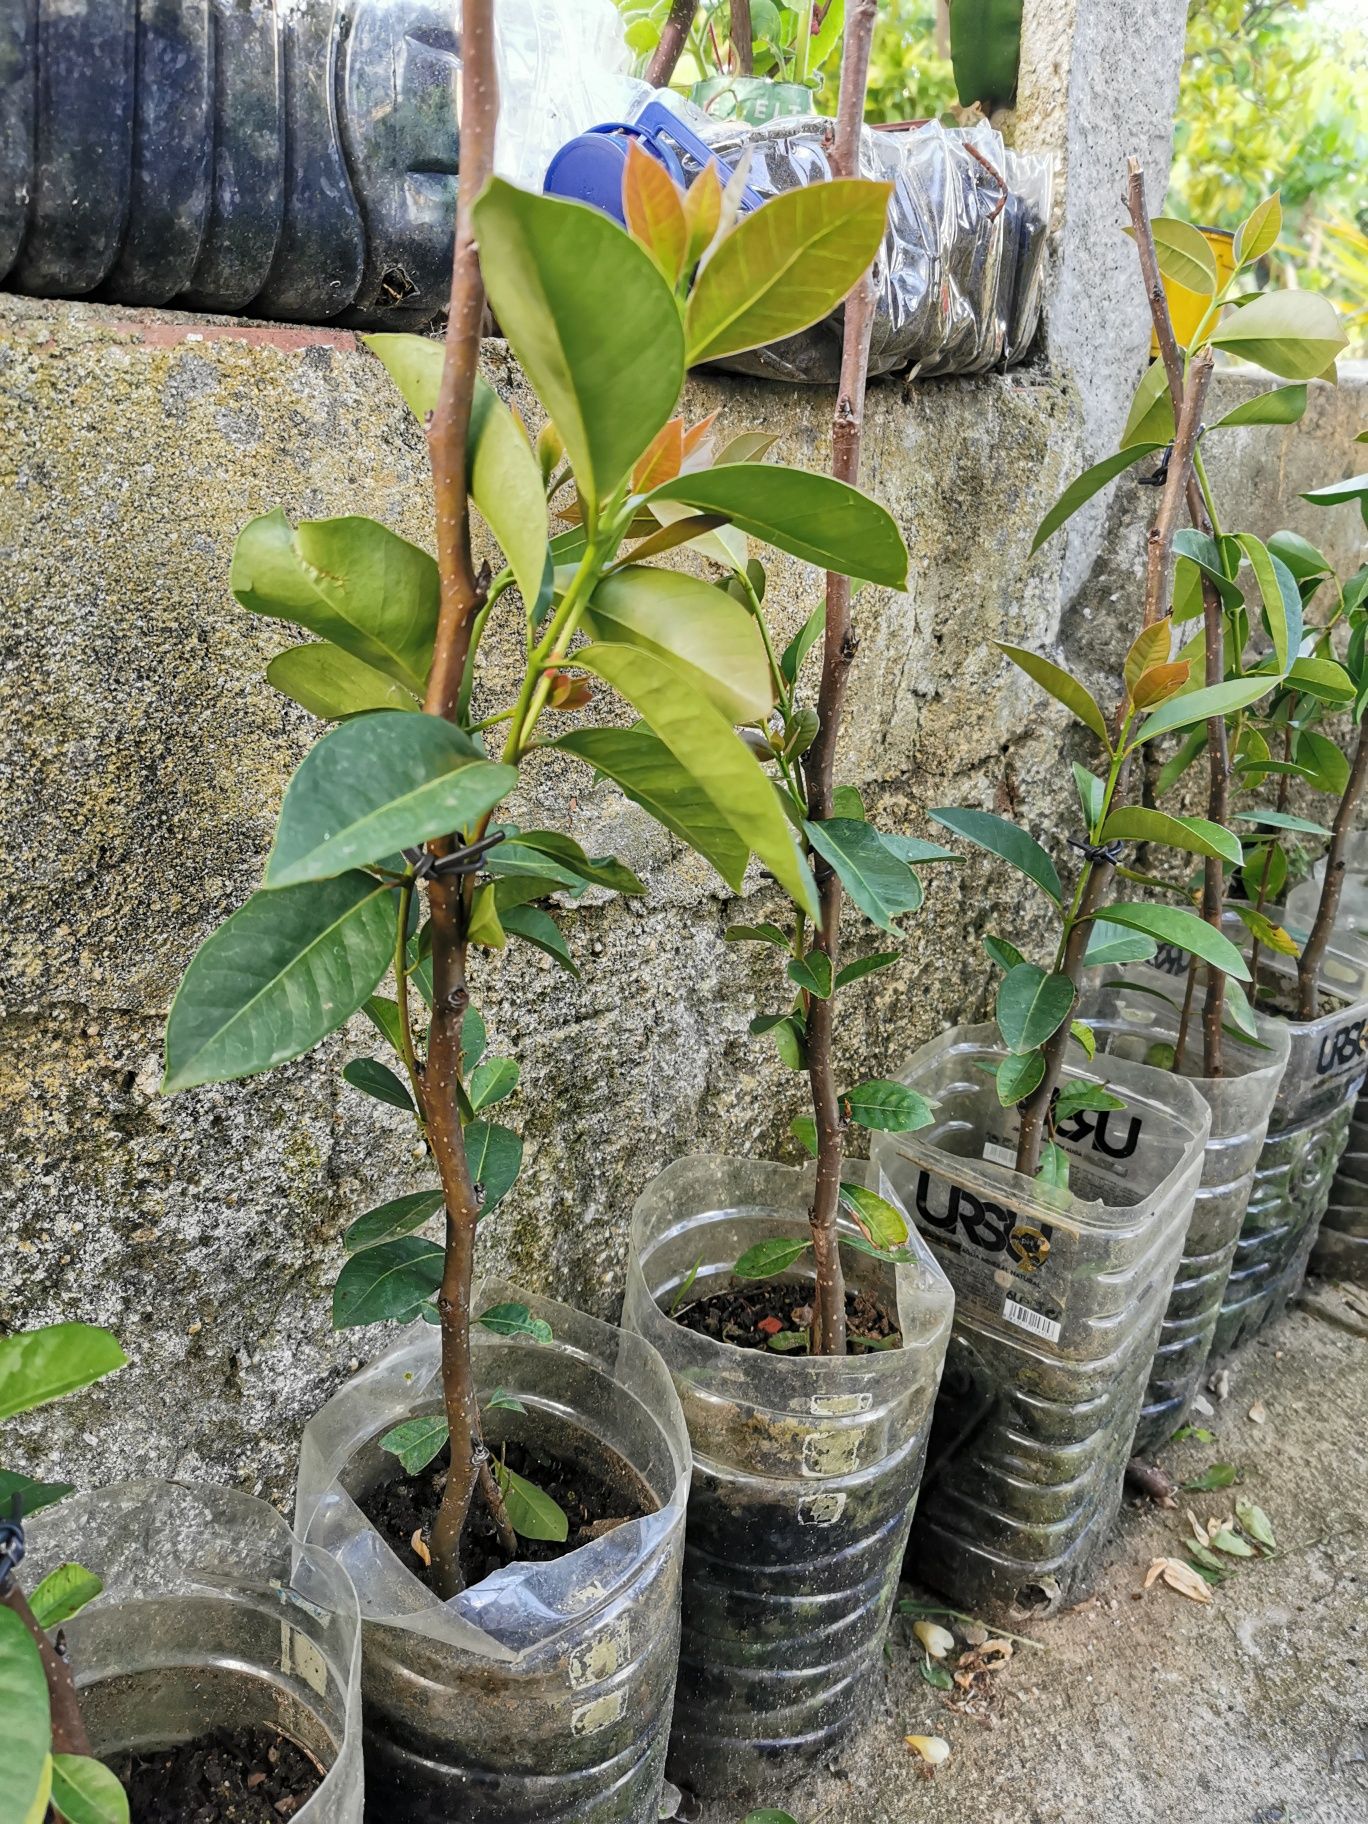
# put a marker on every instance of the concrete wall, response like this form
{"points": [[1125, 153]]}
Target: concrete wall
{"points": [[143, 760]]}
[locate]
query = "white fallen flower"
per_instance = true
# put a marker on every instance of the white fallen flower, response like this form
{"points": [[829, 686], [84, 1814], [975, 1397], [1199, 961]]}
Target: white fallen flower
{"points": [[933, 1749], [937, 1640]]}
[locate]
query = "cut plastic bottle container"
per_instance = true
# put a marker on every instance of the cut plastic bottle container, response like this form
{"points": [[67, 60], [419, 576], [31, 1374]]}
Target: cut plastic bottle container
{"points": [[1307, 1132], [1129, 1024], [1059, 1299], [540, 1695], [212, 1617], [805, 1476], [1341, 1250]]}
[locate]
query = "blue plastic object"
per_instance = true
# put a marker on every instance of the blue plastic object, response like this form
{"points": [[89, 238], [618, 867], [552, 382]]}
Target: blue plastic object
{"points": [[589, 168]]}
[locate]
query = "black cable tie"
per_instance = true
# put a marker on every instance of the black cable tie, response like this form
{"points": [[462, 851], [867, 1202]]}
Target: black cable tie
{"points": [[12, 1545], [1160, 475], [427, 866], [1110, 852]]}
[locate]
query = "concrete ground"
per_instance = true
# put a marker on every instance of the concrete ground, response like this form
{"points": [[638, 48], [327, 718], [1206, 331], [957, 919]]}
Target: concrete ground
{"points": [[1144, 1707]]}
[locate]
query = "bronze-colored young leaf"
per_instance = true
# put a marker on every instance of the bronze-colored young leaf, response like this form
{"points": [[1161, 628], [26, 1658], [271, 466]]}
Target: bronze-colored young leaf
{"points": [[654, 211], [1160, 683], [702, 213], [1150, 647]]}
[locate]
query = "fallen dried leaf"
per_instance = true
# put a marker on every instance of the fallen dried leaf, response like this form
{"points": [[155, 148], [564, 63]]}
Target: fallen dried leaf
{"points": [[1258, 1412], [1219, 1383], [1257, 1524], [975, 1633], [419, 1545], [1199, 1532], [933, 1749], [1180, 1577]]}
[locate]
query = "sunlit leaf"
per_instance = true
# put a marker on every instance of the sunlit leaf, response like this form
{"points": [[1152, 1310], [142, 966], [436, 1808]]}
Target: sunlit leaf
{"points": [[1284, 405], [701, 631], [1294, 334], [37, 1366], [331, 684], [654, 211]]}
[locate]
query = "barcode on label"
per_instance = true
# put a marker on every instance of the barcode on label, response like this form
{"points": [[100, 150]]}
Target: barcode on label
{"points": [[999, 1155], [1030, 1320]]}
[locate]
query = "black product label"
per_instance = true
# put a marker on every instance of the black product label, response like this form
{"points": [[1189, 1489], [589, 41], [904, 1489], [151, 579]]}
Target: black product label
{"points": [[1342, 1048], [1007, 1264]]}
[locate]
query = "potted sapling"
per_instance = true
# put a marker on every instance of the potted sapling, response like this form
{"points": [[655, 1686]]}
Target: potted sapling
{"points": [[175, 1645], [803, 1322], [507, 1484], [743, 60]]}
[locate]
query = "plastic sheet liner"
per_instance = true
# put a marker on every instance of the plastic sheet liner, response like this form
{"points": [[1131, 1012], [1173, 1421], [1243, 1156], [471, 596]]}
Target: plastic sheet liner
{"points": [[541, 1695], [1131, 1024], [1059, 1299], [805, 1477], [212, 1616]]}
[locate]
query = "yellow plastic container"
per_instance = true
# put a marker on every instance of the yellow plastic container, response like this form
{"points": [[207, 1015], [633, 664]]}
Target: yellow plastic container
{"points": [[1187, 308]]}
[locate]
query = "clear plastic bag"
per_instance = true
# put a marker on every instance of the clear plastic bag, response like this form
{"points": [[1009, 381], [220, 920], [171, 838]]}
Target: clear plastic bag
{"points": [[1059, 1297], [1128, 1023], [212, 1616], [805, 1477], [542, 1694]]}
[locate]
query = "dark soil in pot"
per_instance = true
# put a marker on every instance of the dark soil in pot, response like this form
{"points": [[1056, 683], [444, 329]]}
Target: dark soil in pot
{"points": [[596, 1490], [231, 1776], [776, 1316]]}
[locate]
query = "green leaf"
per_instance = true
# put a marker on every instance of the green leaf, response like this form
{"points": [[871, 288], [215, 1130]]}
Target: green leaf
{"points": [[1091, 794], [866, 965], [351, 581], [499, 1401], [1257, 1524], [1300, 555], [64, 1592], [38, 1366], [598, 870], [1067, 690], [491, 1081], [531, 1512], [1281, 598], [1031, 1005], [1000, 951], [1076, 1096], [538, 928], [911, 849], [25, 1738], [1283, 820], [378, 1080], [886, 1107], [388, 1283], [1018, 1075], [1176, 925], [494, 1155], [1195, 835], [783, 268], [1200, 549], [1108, 943], [719, 763], [645, 769], [513, 1319], [756, 934], [767, 1258], [812, 973], [787, 1033], [1202, 705], [1283, 405], [884, 888], [1240, 1014], [1258, 233], [769, 1815], [1085, 1037], [377, 785], [1054, 1167], [32, 1495], [1151, 413], [1339, 492], [1184, 255], [804, 1130], [812, 517], [791, 659], [1220, 1475], [85, 1791], [706, 635], [1322, 679], [1294, 334], [1263, 930], [279, 975], [1325, 766], [383, 1014], [330, 683], [1090, 482], [417, 1441], [882, 1224], [400, 1216], [1007, 842], [557, 274]]}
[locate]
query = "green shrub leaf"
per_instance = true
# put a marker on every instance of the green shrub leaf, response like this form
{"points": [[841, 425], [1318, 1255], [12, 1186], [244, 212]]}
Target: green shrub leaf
{"points": [[388, 1283], [1091, 482], [1007, 842], [37, 1366], [417, 1441], [27, 1732], [1066, 689], [880, 883], [531, 1512], [64, 1592], [886, 1107], [400, 1216], [1031, 1005], [377, 1080], [1195, 835], [1294, 334], [710, 638], [331, 684], [1176, 925], [767, 1258], [494, 1155]]}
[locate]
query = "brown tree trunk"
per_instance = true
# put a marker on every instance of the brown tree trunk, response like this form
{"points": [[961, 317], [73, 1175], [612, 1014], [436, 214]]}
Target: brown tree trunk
{"points": [[742, 39]]}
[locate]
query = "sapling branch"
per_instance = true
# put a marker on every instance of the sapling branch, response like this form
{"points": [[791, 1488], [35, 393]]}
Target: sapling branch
{"points": [[674, 35], [1313, 952], [68, 1727], [838, 651], [742, 39]]}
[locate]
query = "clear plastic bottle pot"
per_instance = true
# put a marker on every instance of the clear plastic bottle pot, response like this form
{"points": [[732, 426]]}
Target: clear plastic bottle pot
{"points": [[212, 1617], [1129, 1023], [542, 1694], [1059, 1298], [805, 1476]]}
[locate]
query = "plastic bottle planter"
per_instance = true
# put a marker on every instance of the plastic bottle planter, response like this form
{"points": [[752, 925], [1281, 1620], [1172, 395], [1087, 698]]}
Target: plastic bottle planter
{"points": [[1059, 1297], [542, 1694], [805, 1477], [1307, 1134], [1341, 1249], [1128, 1024], [212, 1617]]}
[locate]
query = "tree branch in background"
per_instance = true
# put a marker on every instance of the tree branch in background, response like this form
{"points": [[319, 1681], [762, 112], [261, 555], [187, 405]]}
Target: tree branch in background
{"points": [[1313, 954], [742, 39], [829, 1325], [674, 36]]}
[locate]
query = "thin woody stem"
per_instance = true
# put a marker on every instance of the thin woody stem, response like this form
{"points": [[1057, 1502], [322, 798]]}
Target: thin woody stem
{"points": [[742, 39], [68, 1727], [1313, 954], [674, 35]]}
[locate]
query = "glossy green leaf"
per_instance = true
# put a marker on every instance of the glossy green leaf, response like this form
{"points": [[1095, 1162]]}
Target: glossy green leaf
{"points": [[492, 1081], [400, 1216], [767, 1258], [388, 1283], [641, 765], [1294, 334], [375, 786], [494, 1155], [1091, 482], [756, 934], [1202, 705], [701, 631], [883, 887], [1109, 943], [351, 581], [1018, 1075], [1151, 413], [1326, 766], [1031, 1005], [1322, 679], [32, 1495], [787, 1033], [531, 1512], [1091, 793], [27, 1731], [1337, 493], [783, 268], [719, 763], [1085, 1037], [383, 1014], [514, 1319], [37, 1366], [279, 975], [1075, 697], [883, 1223], [1000, 951], [1074, 1097], [862, 966], [1283, 820], [558, 274], [1007, 842], [812, 973], [885, 1107], [597, 870], [378, 1081], [539, 929], [85, 1791], [330, 683], [64, 1592], [417, 1441], [1283, 405], [1184, 255], [791, 659], [1300, 555], [1176, 925], [1258, 233], [1280, 596], [1203, 551], [813, 517], [1195, 835]]}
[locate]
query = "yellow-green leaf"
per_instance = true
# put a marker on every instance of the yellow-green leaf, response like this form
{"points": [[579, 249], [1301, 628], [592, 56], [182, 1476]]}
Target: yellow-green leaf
{"points": [[1294, 334], [703, 631], [1066, 689]]}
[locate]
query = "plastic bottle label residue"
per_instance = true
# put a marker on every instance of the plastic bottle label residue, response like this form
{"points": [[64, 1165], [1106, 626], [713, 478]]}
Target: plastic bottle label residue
{"points": [[602, 1713], [821, 1510], [598, 1659]]}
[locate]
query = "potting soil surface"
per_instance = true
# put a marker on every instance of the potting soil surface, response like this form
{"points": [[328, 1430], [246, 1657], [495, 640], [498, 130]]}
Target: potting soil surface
{"points": [[233, 1776]]}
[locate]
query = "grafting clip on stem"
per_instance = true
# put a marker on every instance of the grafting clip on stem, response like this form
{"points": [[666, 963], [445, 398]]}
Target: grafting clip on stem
{"points": [[11, 1543], [1160, 475], [427, 866], [1110, 852]]}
